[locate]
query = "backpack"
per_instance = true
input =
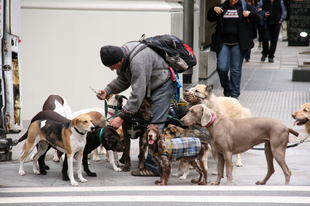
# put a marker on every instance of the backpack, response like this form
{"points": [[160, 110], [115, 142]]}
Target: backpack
{"points": [[174, 51]]}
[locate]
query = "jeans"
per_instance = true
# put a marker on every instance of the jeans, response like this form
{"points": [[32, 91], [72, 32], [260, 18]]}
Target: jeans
{"points": [[160, 103], [274, 35], [230, 58]]}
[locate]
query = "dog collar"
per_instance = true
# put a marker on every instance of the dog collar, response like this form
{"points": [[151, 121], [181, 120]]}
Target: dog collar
{"points": [[168, 145], [100, 135], [212, 120], [81, 133]]}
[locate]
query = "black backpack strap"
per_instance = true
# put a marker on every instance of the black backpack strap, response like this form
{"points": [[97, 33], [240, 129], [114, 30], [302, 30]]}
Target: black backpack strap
{"points": [[136, 50]]}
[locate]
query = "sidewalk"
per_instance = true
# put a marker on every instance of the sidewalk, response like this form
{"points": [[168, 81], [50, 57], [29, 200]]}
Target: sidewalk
{"points": [[267, 90]]}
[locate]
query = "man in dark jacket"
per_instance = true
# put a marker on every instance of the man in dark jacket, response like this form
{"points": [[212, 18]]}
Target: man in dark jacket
{"points": [[275, 14], [232, 40]]}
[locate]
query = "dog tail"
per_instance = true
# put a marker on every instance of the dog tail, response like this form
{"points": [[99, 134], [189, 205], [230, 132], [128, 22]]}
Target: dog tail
{"points": [[206, 145], [293, 132], [22, 138]]}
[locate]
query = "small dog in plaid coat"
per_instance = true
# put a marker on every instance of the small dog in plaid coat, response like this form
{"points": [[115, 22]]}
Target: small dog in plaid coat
{"points": [[189, 149]]}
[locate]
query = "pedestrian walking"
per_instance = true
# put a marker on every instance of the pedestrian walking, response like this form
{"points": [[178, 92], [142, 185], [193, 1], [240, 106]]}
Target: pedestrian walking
{"points": [[253, 28], [231, 41], [275, 14]]}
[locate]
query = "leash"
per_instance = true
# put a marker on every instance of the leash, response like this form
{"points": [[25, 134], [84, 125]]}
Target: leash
{"points": [[289, 146], [102, 122], [119, 106], [106, 111]]}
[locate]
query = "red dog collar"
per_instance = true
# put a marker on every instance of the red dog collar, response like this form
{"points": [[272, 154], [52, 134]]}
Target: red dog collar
{"points": [[212, 120]]}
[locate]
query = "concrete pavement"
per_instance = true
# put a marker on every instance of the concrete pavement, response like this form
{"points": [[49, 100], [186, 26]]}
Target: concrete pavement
{"points": [[267, 89]]}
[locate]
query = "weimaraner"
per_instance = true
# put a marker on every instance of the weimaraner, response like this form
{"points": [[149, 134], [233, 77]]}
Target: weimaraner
{"points": [[232, 136]]}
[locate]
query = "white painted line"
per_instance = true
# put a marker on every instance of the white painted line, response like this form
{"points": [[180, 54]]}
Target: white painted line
{"points": [[154, 188], [231, 199]]}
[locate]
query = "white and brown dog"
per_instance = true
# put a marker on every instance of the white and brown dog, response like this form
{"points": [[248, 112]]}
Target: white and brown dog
{"points": [[97, 116], [114, 104], [58, 104], [69, 138]]}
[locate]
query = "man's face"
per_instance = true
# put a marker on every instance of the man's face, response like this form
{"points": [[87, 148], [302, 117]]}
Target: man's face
{"points": [[117, 66]]}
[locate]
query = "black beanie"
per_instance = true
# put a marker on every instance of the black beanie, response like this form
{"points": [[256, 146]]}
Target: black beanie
{"points": [[111, 55]]}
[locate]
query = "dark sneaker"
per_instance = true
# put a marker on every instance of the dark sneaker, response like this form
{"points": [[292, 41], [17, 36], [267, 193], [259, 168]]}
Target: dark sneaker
{"points": [[145, 172], [226, 92], [263, 58], [270, 60]]}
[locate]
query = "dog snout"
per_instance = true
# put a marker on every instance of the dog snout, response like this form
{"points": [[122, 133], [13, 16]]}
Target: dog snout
{"points": [[92, 128], [293, 115]]}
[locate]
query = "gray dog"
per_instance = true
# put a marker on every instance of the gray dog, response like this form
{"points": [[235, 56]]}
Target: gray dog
{"points": [[232, 136]]}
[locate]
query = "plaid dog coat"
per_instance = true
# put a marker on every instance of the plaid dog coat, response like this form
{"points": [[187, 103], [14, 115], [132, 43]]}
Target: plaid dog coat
{"points": [[181, 147]]}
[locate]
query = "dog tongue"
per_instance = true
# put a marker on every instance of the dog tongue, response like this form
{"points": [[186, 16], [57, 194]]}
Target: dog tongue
{"points": [[296, 122], [151, 141]]}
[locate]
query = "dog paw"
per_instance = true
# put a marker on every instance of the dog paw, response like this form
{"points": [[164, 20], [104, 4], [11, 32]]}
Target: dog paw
{"points": [[214, 183], [74, 183], [126, 169], [194, 181], [260, 183], [83, 180], [56, 159], [22, 173], [239, 164], [183, 177], [202, 183], [116, 169], [37, 172], [91, 174], [96, 158], [65, 178], [120, 164], [214, 173], [43, 172], [176, 174]]}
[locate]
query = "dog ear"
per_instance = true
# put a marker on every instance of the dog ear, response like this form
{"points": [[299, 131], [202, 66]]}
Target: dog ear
{"points": [[210, 88], [173, 129], [201, 82], [144, 140], [206, 115], [161, 141]]}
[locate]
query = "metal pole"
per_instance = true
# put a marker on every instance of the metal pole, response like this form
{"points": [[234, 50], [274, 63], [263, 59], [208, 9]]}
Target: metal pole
{"points": [[188, 32]]}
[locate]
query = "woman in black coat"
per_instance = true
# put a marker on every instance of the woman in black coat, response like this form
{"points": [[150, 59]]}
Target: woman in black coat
{"points": [[232, 40]]}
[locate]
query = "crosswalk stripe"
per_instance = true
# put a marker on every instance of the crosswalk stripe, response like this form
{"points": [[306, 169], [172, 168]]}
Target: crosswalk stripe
{"points": [[193, 199], [154, 188]]}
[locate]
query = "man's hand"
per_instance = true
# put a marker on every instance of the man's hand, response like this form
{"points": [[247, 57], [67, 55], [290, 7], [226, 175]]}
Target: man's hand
{"points": [[267, 14], [218, 10], [102, 94], [246, 13], [116, 122]]}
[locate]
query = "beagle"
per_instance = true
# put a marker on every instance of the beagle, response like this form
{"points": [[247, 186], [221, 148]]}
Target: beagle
{"points": [[69, 138]]}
